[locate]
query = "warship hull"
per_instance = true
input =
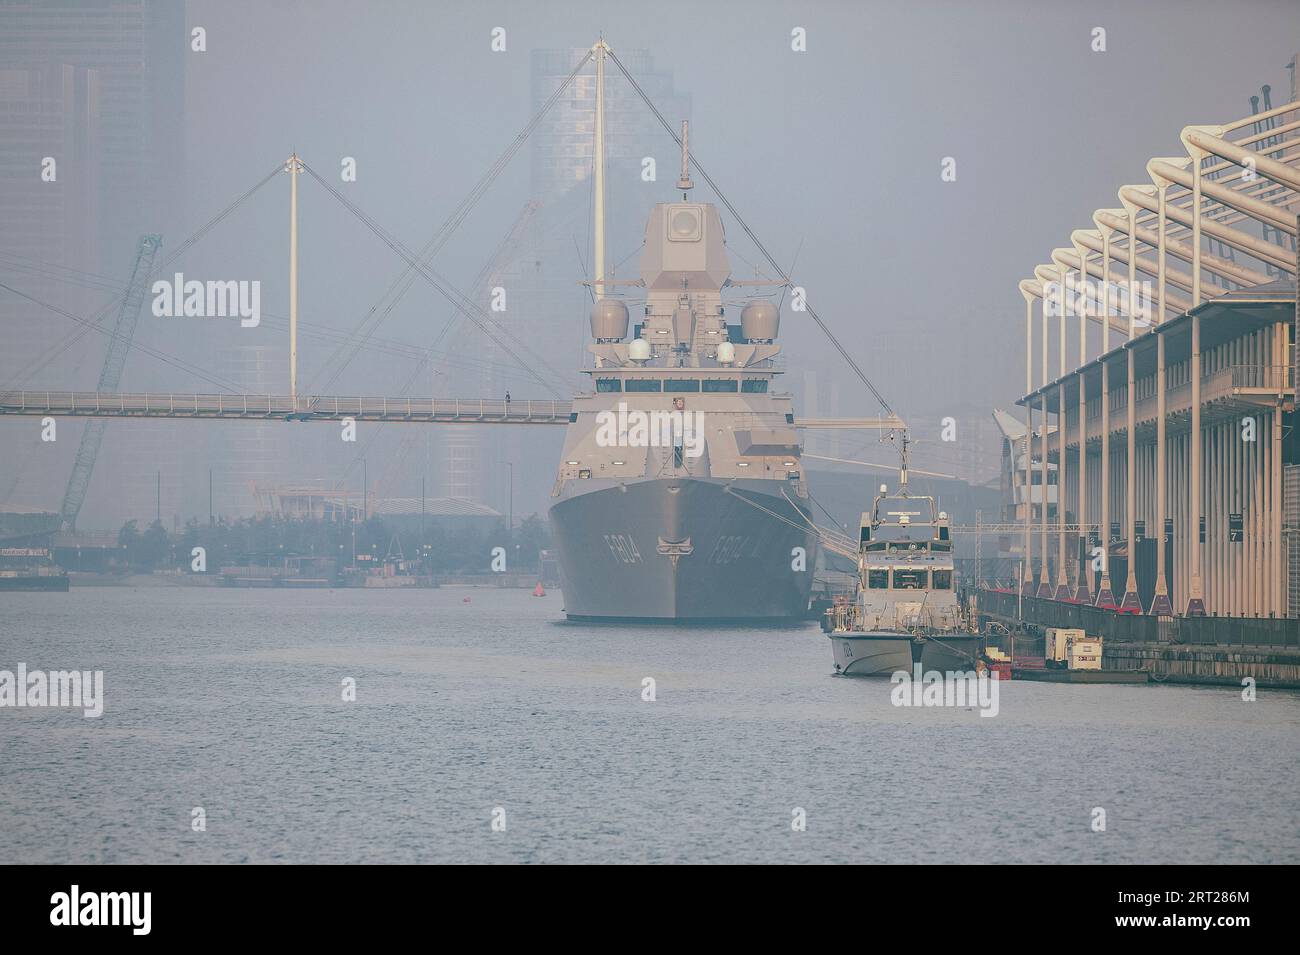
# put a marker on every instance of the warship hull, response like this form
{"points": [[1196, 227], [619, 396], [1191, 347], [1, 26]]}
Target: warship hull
{"points": [[682, 550]]}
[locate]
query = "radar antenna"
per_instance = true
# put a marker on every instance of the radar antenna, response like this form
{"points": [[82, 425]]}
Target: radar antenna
{"points": [[684, 183], [902, 467], [903, 441]]}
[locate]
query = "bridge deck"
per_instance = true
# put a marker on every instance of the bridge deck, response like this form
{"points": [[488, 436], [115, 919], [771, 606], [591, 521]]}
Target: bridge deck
{"points": [[305, 408], [93, 404]]}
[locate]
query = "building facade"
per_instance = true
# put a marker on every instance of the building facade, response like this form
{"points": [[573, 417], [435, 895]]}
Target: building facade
{"points": [[1175, 445]]}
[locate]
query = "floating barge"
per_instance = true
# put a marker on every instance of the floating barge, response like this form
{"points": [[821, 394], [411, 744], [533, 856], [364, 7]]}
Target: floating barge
{"points": [[31, 569], [47, 582]]}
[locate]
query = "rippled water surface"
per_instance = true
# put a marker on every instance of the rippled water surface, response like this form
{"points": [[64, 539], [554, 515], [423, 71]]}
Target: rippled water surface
{"points": [[232, 701]]}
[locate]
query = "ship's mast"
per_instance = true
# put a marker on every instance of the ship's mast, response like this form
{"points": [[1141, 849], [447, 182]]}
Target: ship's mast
{"points": [[685, 183], [598, 163]]}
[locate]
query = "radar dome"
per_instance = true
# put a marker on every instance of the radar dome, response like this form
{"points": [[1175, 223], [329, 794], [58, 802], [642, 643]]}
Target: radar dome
{"points": [[609, 320], [638, 350], [759, 321], [726, 353]]}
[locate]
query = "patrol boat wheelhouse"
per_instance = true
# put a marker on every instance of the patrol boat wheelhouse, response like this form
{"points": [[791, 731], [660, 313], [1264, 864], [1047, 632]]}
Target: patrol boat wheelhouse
{"points": [[906, 609]]}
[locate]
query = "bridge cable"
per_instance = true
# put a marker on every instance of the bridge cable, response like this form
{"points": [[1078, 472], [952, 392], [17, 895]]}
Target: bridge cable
{"points": [[453, 222], [462, 302], [468, 307], [443, 287], [324, 333], [93, 323], [178, 363]]}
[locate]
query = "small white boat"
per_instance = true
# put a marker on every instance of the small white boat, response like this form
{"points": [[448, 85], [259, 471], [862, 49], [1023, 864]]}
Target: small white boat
{"points": [[907, 609]]}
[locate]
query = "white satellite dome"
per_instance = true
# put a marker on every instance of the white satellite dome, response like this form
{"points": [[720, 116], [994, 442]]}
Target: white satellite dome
{"points": [[638, 349], [726, 353]]}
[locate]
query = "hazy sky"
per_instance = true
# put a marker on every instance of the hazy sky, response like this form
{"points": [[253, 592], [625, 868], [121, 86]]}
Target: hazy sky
{"points": [[835, 151], [838, 147]]}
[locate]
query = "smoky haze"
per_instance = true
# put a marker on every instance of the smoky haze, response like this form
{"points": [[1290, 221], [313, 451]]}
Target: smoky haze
{"points": [[833, 156]]}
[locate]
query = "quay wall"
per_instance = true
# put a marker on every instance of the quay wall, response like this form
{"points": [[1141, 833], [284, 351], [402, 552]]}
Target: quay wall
{"points": [[1206, 665], [1202, 650], [1283, 632]]}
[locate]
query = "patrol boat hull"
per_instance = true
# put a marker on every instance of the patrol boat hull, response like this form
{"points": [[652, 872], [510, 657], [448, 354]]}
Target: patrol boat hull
{"points": [[884, 653], [682, 550]]}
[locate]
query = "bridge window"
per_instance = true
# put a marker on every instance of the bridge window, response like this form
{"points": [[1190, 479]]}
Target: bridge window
{"points": [[682, 384], [943, 580], [911, 579], [643, 384], [609, 384], [754, 386], [721, 385], [878, 579]]}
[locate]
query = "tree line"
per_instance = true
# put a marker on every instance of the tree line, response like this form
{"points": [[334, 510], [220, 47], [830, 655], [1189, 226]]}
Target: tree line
{"points": [[461, 548]]}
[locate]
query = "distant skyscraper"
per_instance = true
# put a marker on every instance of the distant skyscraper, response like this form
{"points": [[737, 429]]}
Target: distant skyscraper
{"points": [[137, 50], [562, 147], [98, 86], [50, 136]]}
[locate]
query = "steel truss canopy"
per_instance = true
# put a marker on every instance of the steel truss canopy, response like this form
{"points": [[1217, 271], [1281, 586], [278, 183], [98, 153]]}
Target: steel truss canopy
{"points": [[1172, 434]]}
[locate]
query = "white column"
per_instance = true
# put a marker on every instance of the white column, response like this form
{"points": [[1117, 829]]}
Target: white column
{"points": [[1083, 589], [293, 166], [1044, 586], [1105, 596], [1026, 290], [1196, 594], [1130, 600]]}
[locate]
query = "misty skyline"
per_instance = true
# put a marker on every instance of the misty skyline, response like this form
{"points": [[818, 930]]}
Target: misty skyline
{"points": [[832, 154]]}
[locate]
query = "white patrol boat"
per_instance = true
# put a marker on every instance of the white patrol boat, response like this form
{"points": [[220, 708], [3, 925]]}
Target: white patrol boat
{"points": [[907, 609]]}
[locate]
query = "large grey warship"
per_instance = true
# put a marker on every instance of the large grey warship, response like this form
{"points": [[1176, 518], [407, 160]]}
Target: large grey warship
{"points": [[680, 494]]}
